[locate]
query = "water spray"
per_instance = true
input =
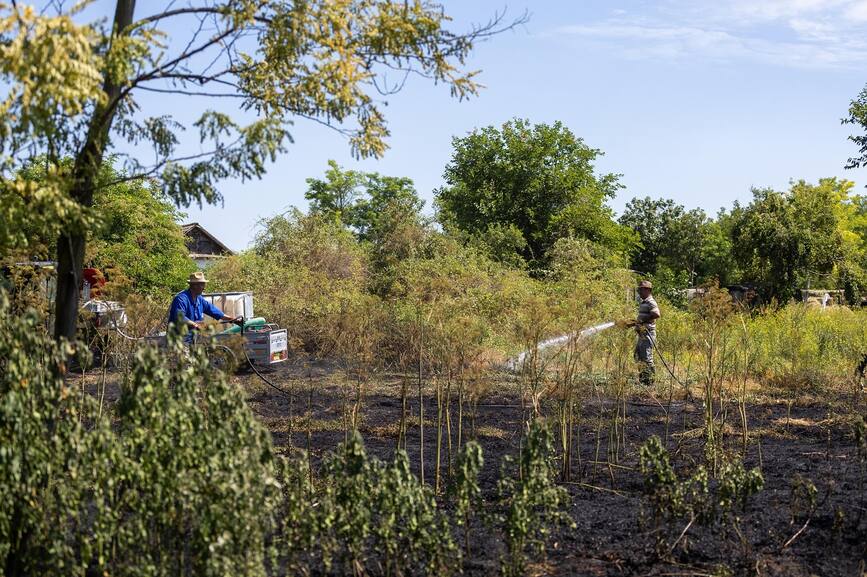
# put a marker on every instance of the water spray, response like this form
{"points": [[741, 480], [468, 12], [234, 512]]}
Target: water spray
{"points": [[517, 363]]}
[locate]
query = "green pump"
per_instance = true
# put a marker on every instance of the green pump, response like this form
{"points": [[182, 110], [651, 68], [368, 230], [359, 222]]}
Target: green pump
{"points": [[248, 324]]}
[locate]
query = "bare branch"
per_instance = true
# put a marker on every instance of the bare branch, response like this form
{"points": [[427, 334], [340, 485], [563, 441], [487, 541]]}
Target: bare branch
{"points": [[178, 12], [190, 92]]}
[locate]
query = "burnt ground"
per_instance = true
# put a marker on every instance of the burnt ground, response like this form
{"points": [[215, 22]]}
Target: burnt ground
{"points": [[790, 436]]}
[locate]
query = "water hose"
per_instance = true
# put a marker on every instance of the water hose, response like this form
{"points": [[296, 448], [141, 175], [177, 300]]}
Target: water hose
{"points": [[662, 358], [259, 374]]}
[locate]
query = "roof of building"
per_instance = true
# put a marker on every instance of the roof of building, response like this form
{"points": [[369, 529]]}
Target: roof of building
{"points": [[190, 226]]}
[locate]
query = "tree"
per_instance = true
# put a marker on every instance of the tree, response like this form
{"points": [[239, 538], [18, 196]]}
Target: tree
{"points": [[384, 213], [690, 233], [389, 201], [137, 235], [670, 237], [337, 194], [362, 201], [538, 180], [71, 87], [717, 257], [858, 117], [796, 238], [133, 230], [653, 221]]}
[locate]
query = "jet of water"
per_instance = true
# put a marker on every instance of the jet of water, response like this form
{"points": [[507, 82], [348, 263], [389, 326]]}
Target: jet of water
{"points": [[517, 363]]}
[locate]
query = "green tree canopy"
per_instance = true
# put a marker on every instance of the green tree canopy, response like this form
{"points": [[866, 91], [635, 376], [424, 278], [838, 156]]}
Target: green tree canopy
{"points": [[654, 222], [788, 240], [71, 81], [537, 180], [363, 201], [137, 235], [717, 258], [670, 238], [132, 231], [384, 212]]}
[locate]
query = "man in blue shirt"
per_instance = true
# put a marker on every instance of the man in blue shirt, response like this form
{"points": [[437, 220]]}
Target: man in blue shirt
{"points": [[189, 307]]}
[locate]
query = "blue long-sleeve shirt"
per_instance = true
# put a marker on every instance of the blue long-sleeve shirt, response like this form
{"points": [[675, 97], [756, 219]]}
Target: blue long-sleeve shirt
{"points": [[185, 307]]}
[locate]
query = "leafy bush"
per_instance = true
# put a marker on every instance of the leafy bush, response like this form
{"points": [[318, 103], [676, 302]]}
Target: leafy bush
{"points": [[672, 497], [669, 496], [465, 487], [533, 501], [305, 272], [182, 483], [369, 516], [45, 456], [132, 231]]}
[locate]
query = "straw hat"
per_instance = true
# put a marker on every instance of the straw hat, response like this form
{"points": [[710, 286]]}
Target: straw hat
{"points": [[645, 284], [197, 277]]}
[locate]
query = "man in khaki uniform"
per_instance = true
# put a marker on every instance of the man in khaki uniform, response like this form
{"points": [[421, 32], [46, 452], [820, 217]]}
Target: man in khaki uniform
{"points": [[645, 326]]}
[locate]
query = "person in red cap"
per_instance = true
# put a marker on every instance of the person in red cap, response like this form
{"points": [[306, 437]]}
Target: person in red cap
{"points": [[645, 326], [95, 279]]}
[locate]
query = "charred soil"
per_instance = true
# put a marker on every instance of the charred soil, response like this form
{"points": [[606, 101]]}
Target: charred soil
{"points": [[806, 441]]}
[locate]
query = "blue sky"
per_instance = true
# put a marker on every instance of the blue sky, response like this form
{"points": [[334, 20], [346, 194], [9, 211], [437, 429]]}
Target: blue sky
{"points": [[689, 99]]}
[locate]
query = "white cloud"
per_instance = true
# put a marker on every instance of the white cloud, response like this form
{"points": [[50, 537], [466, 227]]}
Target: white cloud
{"points": [[814, 30], [761, 11], [857, 11], [802, 33]]}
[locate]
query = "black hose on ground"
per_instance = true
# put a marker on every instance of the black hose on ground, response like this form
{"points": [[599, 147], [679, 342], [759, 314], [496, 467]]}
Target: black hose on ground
{"points": [[662, 358], [259, 374]]}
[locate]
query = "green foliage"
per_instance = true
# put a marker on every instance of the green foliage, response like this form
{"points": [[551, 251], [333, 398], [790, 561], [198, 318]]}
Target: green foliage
{"points": [[538, 180], [137, 237], [370, 512], [359, 200], [533, 502], [718, 253], [671, 285], [668, 235], [131, 228], [45, 457], [384, 212], [299, 518], [200, 470], [810, 235], [574, 258], [307, 273], [335, 196], [672, 498], [799, 349], [465, 489], [736, 486], [858, 117], [795, 239], [804, 349], [182, 483], [32, 212], [307, 64], [71, 82], [503, 243]]}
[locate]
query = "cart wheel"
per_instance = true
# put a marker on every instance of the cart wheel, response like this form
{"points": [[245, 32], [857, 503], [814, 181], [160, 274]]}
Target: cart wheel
{"points": [[222, 358]]}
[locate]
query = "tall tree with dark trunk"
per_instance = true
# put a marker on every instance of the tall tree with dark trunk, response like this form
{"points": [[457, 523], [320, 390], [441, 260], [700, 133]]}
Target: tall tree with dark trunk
{"points": [[70, 245], [71, 79]]}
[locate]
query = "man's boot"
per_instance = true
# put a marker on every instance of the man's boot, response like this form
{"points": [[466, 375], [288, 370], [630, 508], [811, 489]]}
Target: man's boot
{"points": [[645, 376]]}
